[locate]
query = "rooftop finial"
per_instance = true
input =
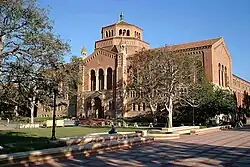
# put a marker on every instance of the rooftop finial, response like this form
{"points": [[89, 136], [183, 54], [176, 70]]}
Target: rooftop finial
{"points": [[121, 17]]}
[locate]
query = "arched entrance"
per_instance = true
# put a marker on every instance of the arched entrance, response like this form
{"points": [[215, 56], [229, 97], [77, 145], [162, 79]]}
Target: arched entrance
{"points": [[99, 108]]}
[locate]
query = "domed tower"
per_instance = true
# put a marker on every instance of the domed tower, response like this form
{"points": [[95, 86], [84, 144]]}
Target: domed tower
{"points": [[105, 70], [132, 36]]}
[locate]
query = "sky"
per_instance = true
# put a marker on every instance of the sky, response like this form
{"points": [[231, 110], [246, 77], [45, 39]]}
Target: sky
{"points": [[164, 22]]}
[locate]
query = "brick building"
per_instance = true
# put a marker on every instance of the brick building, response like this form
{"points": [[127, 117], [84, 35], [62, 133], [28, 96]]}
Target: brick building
{"points": [[108, 65]]}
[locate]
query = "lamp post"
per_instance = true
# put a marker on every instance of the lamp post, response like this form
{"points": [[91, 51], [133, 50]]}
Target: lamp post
{"points": [[53, 137], [193, 112], [114, 86]]}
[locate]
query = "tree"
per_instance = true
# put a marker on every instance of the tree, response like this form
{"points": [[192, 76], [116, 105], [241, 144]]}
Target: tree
{"points": [[143, 78], [30, 50], [162, 78], [219, 101], [246, 100]]}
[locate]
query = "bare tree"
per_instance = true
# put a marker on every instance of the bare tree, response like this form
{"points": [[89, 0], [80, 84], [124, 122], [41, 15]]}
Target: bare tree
{"points": [[163, 78], [144, 78]]}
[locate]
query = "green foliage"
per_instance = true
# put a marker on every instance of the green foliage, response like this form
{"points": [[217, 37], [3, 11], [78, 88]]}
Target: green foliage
{"points": [[246, 101], [32, 57], [219, 101]]}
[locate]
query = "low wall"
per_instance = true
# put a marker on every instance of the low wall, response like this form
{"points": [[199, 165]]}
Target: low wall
{"points": [[180, 128], [210, 130], [59, 123], [85, 140], [42, 156]]}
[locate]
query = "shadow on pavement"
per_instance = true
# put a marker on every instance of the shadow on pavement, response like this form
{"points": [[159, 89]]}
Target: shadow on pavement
{"points": [[226, 148]]}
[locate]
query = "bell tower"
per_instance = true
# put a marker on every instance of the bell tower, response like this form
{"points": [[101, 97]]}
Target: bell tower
{"points": [[132, 35]]}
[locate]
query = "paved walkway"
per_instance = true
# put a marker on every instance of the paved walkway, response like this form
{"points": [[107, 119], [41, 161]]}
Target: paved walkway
{"points": [[225, 148]]}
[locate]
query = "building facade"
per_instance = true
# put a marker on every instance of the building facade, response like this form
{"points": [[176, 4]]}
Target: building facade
{"points": [[104, 74]]}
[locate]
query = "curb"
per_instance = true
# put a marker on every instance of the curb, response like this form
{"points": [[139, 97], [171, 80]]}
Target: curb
{"points": [[42, 156]]}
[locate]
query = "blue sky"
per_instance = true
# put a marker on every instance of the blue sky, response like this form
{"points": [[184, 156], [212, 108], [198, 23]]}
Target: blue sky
{"points": [[163, 21]]}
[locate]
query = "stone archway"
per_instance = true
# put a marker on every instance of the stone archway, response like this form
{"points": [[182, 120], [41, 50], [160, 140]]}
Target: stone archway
{"points": [[99, 108]]}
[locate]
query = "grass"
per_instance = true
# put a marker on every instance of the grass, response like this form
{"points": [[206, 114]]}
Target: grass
{"points": [[203, 127], [33, 139]]}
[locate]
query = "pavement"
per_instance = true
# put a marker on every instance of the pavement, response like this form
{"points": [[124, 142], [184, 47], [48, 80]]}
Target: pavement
{"points": [[223, 148]]}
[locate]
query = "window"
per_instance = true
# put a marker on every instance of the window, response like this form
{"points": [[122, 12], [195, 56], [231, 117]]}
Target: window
{"points": [[128, 33], [124, 32], [120, 32], [143, 106], [133, 106], [110, 105], [93, 80], [222, 75], [219, 72]]}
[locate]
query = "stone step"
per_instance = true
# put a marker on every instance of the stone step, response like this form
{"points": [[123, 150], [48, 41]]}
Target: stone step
{"points": [[42, 156], [159, 137], [90, 139]]}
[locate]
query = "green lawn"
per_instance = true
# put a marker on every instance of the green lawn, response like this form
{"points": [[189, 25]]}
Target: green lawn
{"points": [[33, 139]]}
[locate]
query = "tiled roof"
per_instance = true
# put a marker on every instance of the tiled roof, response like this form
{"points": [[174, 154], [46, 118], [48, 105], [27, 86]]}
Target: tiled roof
{"points": [[195, 44], [121, 23]]}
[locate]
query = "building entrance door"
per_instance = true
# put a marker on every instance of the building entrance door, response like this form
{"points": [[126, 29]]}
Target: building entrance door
{"points": [[99, 108]]}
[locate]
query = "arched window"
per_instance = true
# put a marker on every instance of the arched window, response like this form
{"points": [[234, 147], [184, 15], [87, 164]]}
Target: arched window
{"points": [[112, 33], [133, 106], [222, 75], [110, 105], [219, 67], [120, 32], [128, 33], [124, 32], [139, 36], [135, 34], [92, 80], [101, 79], [109, 79], [109, 33], [139, 107], [106, 33], [143, 106], [226, 79]]}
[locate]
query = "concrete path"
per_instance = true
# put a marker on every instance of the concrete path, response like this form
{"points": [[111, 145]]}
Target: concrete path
{"points": [[224, 148]]}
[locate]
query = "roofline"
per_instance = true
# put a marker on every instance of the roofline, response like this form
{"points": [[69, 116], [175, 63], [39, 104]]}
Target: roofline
{"points": [[124, 37], [241, 78], [176, 45], [118, 23]]}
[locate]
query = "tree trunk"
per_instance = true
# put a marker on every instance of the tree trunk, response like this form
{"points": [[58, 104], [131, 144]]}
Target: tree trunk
{"points": [[170, 113], [153, 110], [170, 120], [15, 111], [32, 108]]}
